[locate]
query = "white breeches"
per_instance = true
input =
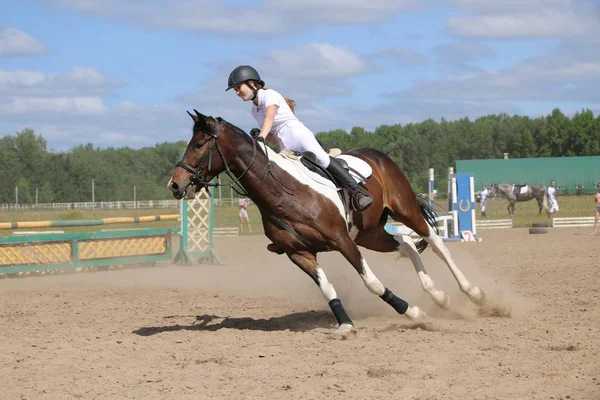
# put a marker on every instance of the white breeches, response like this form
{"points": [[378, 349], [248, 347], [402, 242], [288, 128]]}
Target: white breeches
{"points": [[553, 205], [293, 135], [483, 205]]}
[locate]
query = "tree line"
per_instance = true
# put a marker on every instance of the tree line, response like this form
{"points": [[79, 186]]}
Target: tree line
{"points": [[26, 162]]}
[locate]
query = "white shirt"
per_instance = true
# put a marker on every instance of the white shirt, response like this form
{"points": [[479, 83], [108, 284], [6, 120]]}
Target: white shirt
{"points": [[283, 114], [551, 193], [242, 203], [484, 194]]}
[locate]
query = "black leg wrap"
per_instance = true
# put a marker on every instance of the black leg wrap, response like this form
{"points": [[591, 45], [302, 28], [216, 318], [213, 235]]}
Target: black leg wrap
{"points": [[339, 312], [399, 305]]}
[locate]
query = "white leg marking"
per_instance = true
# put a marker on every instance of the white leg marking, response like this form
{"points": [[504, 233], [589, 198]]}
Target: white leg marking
{"points": [[414, 313], [370, 280], [407, 248], [353, 232], [437, 245], [326, 287]]}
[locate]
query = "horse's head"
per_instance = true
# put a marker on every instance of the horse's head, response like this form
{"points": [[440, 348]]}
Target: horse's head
{"points": [[492, 191], [203, 158]]}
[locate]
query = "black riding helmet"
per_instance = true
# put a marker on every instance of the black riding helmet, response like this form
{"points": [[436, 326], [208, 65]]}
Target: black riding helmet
{"points": [[242, 74]]}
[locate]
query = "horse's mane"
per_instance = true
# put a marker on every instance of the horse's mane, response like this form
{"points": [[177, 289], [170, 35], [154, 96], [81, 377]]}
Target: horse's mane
{"points": [[201, 125], [234, 127]]}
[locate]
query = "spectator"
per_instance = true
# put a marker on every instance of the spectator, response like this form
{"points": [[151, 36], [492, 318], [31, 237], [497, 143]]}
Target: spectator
{"points": [[597, 216], [243, 214], [552, 203], [482, 199]]}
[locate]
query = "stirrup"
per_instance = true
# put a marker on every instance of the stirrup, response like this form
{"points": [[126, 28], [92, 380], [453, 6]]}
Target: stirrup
{"points": [[359, 197]]}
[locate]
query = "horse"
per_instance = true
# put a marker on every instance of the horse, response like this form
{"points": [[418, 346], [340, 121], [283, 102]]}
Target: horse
{"points": [[303, 217], [537, 192]]}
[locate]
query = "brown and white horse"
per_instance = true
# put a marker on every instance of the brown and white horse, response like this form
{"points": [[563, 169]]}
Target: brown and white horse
{"points": [[304, 217]]}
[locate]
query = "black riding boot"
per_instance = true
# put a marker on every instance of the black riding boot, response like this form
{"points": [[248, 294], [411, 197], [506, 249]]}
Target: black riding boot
{"points": [[360, 199]]}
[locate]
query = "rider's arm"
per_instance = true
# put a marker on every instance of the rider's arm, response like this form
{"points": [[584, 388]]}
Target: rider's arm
{"points": [[268, 122]]}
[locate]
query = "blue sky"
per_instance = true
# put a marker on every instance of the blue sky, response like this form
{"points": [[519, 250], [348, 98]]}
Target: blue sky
{"points": [[123, 72]]}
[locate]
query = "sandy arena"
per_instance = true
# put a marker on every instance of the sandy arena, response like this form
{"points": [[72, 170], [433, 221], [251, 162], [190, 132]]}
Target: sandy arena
{"points": [[258, 328]]}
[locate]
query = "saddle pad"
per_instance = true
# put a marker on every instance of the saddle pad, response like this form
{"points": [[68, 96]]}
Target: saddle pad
{"points": [[523, 189], [357, 164]]}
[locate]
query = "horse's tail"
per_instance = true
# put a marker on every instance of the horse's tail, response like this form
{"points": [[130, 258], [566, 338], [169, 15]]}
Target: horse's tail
{"points": [[430, 217], [545, 200]]}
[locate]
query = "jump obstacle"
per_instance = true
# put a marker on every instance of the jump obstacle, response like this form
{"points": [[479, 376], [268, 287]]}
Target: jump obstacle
{"points": [[460, 222], [49, 253]]}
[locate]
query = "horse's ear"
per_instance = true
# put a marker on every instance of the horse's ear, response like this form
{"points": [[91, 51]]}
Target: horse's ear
{"points": [[199, 115], [192, 116]]}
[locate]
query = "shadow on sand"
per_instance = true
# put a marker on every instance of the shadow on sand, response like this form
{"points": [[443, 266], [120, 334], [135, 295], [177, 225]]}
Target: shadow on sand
{"points": [[295, 322]]}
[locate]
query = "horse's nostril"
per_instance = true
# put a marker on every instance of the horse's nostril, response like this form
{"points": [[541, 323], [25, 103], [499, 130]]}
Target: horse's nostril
{"points": [[174, 186]]}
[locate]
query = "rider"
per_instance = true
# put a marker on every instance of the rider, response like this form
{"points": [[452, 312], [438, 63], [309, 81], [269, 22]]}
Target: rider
{"points": [[275, 115]]}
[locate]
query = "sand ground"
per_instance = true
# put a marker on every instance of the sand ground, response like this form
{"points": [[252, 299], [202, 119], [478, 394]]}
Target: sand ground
{"points": [[258, 328]]}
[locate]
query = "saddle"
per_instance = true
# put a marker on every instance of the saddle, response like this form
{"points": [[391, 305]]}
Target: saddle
{"points": [[309, 160], [517, 189]]}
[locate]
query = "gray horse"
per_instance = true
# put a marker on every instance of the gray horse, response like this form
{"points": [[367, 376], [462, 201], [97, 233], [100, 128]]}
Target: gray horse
{"points": [[537, 192]]}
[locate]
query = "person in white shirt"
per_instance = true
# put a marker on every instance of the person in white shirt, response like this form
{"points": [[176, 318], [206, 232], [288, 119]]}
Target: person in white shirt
{"points": [[483, 195], [243, 214], [275, 116], [552, 203]]}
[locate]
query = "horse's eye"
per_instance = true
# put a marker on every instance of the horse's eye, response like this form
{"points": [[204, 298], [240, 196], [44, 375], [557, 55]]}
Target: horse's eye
{"points": [[197, 145]]}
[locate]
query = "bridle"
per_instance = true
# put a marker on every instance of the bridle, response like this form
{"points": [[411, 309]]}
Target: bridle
{"points": [[198, 180]]}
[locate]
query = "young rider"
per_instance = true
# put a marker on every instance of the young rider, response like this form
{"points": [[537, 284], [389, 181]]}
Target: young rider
{"points": [[275, 115]]}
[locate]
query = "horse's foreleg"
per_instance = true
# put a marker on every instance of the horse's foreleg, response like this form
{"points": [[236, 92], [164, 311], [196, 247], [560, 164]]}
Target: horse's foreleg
{"points": [[406, 247], [474, 293], [511, 208], [352, 254], [308, 263]]}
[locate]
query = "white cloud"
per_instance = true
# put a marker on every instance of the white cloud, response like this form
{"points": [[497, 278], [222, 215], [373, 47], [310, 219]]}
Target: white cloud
{"points": [[125, 125], [401, 56], [98, 7], [549, 77], [457, 57], [526, 19], [317, 60], [343, 11], [500, 7], [259, 17], [78, 81], [462, 51], [413, 110], [16, 42], [55, 105]]}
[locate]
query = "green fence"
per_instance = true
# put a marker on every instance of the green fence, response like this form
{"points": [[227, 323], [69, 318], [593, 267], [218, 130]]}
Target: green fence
{"points": [[58, 252], [48, 253], [573, 175]]}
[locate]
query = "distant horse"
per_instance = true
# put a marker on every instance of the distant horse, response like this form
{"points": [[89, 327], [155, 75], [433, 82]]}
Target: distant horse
{"points": [[303, 217], [537, 192]]}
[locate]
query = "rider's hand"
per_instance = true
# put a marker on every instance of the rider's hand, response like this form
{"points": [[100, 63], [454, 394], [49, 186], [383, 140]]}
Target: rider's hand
{"points": [[254, 132], [260, 139]]}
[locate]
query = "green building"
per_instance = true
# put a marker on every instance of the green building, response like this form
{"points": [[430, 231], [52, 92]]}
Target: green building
{"points": [[573, 175]]}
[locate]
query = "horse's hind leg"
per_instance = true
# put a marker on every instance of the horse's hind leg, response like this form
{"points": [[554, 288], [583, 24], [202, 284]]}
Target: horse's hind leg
{"points": [[379, 240], [350, 251], [475, 294], [308, 263], [406, 247]]}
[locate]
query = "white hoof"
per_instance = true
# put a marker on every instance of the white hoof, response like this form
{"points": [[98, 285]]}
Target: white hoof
{"points": [[415, 314], [441, 299], [344, 332], [477, 296]]}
